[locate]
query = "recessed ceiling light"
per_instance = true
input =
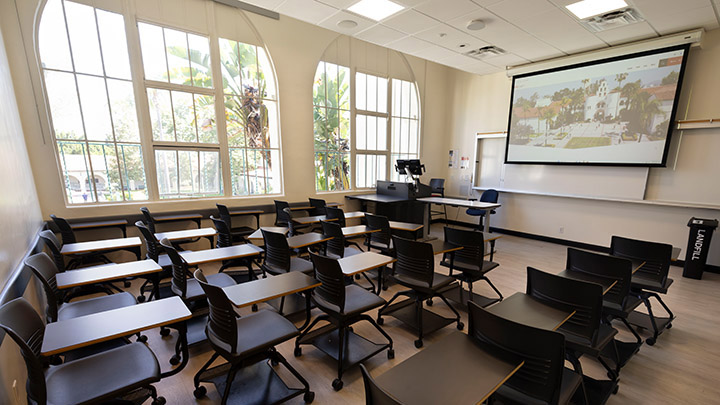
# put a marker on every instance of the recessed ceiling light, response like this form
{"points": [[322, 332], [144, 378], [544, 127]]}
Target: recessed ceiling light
{"points": [[375, 9], [476, 25], [348, 24], [588, 8]]}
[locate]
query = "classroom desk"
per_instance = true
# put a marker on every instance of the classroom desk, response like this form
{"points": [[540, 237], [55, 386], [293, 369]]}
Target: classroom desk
{"points": [[197, 218], [105, 272], [257, 235], [131, 244], [354, 214], [357, 230], [522, 308], [90, 329], [117, 223], [454, 202], [440, 246], [197, 257], [606, 283], [317, 218], [363, 262], [207, 233], [404, 226], [453, 370], [255, 213], [305, 240], [377, 198]]}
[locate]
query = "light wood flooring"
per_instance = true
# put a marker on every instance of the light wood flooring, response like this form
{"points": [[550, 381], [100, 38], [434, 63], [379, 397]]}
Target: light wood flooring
{"points": [[682, 367]]}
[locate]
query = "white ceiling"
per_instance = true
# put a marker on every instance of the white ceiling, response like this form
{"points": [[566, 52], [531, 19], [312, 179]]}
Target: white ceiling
{"points": [[529, 30]]}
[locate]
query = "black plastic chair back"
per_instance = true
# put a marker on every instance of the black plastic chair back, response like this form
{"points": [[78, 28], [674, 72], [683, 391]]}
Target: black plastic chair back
{"points": [[149, 220], [20, 321], [336, 245], [657, 256], [609, 267], [281, 218], [330, 295], [374, 394], [152, 246], [45, 270], [221, 320], [318, 206], [437, 186], [570, 295], [224, 237], [277, 250], [290, 224], [384, 236], [415, 260], [66, 231], [337, 214], [178, 284], [55, 247], [224, 214], [472, 242], [543, 352]]}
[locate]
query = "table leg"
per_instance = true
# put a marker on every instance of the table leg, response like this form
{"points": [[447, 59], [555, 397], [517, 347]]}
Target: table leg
{"points": [[426, 222], [486, 221], [123, 228], [380, 280], [182, 335]]}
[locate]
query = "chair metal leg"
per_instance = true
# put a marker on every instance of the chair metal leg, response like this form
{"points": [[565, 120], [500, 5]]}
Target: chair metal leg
{"points": [[228, 384], [196, 378], [493, 287], [646, 300], [452, 308], [638, 338], [419, 315], [381, 330], [573, 359], [280, 359], [665, 307], [342, 343], [309, 328], [387, 304]]}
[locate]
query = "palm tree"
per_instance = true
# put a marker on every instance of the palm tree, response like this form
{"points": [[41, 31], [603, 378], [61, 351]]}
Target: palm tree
{"points": [[585, 85], [564, 103], [547, 113], [619, 78], [647, 108]]}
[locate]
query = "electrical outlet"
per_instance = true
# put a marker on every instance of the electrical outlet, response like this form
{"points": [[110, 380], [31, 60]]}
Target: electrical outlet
{"points": [[561, 230]]}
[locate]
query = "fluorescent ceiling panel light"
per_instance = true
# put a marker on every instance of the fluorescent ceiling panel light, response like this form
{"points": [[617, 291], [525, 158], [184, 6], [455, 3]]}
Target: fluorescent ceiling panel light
{"points": [[588, 8], [375, 9]]}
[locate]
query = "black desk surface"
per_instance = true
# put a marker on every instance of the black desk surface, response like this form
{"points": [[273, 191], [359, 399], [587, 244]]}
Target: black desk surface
{"points": [[378, 198], [524, 309], [605, 282], [454, 370]]}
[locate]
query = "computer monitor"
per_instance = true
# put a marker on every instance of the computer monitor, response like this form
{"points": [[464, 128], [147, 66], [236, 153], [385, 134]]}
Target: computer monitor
{"points": [[415, 167], [400, 165]]}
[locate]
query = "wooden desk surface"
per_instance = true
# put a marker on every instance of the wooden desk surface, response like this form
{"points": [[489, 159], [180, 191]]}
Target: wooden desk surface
{"points": [[365, 261], [354, 214], [675, 253], [98, 224], [265, 289], [186, 234], [440, 246], [308, 239], [637, 266], [460, 203], [99, 274], [246, 212], [334, 204], [350, 231], [178, 217], [453, 370], [257, 235], [86, 330], [219, 254], [404, 226], [301, 208], [522, 308], [312, 219], [605, 282], [100, 245], [489, 237]]}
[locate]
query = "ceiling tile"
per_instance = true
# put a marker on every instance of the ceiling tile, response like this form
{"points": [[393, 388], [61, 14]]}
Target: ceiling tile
{"points": [[457, 61], [450, 38], [682, 21], [517, 41], [410, 3], [479, 14], [266, 4], [628, 33], [435, 53], [380, 35], [667, 8], [485, 3], [332, 21], [518, 10], [409, 45], [410, 22], [481, 68], [508, 59], [306, 10], [339, 4], [561, 31], [445, 10]]}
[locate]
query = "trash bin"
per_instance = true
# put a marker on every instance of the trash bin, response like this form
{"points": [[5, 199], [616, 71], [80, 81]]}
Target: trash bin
{"points": [[701, 231]]}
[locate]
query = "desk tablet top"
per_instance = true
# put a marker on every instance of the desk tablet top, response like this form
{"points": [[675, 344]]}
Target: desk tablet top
{"points": [[98, 224], [100, 245], [605, 282], [354, 214], [312, 219], [220, 254], [675, 253], [186, 234], [258, 234], [460, 203], [112, 271], [454, 370], [350, 231], [522, 308], [301, 208], [363, 262], [308, 239], [381, 198], [265, 289], [334, 204], [246, 212], [404, 226], [178, 217], [86, 330], [440, 246]]}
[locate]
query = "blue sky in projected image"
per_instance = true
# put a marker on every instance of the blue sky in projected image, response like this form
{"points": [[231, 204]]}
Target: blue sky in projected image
{"points": [[649, 78]]}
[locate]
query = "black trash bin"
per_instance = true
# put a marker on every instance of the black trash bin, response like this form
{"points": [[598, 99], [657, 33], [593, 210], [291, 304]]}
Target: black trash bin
{"points": [[701, 231]]}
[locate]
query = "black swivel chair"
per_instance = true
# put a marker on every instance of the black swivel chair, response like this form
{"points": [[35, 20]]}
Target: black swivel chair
{"points": [[470, 261], [336, 247], [543, 379], [415, 269], [649, 281], [337, 215], [68, 236], [154, 252], [374, 394], [128, 370], [278, 258], [437, 189], [225, 239], [488, 196], [238, 232], [318, 206], [343, 306], [244, 341], [381, 240], [150, 223]]}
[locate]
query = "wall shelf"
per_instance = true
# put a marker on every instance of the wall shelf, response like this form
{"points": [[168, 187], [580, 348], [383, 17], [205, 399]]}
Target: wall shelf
{"points": [[699, 124]]}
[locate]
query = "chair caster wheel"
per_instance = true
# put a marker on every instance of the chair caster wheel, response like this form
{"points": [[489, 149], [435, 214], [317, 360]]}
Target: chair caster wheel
{"points": [[612, 375], [254, 308], [142, 339], [419, 343], [337, 384], [200, 392], [141, 298], [298, 352], [274, 362], [55, 361], [164, 332], [429, 302], [175, 360], [357, 277], [615, 391], [159, 401], [460, 326], [391, 354], [384, 288], [127, 285], [380, 321], [650, 341], [668, 326], [309, 397]]}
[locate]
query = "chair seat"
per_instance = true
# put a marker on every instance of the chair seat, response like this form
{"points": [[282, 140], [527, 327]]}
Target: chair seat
{"points": [[357, 301], [570, 383], [164, 260], [623, 311], [242, 230], [439, 281], [93, 305], [468, 266], [195, 292], [102, 376], [257, 332], [296, 264], [639, 282], [583, 345]]}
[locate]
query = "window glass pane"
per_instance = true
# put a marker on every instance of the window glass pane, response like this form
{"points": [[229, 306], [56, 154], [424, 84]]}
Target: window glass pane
{"points": [[64, 106], [184, 116], [360, 171], [381, 133], [94, 102], [114, 44], [396, 96], [319, 85], [132, 172], [76, 170], [153, 52], [161, 117], [83, 38], [106, 171], [229, 66], [249, 69], [266, 75], [320, 175], [256, 171], [235, 121], [201, 69], [254, 114], [177, 56], [395, 134], [205, 108], [372, 93], [381, 169], [345, 127], [372, 133], [167, 176], [382, 95], [405, 136], [361, 131], [271, 124], [361, 91], [413, 137], [333, 96], [413, 102], [273, 180], [53, 42], [238, 172], [209, 166], [405, 110], [344, 87], [124, 114]]}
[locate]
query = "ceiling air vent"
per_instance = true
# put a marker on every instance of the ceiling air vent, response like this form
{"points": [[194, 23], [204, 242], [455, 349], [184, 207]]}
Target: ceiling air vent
{"points": [[485, 52], [615, 19]]}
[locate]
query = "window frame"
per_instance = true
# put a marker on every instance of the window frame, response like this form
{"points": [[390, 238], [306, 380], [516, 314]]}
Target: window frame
{"points": [[369, 113]]}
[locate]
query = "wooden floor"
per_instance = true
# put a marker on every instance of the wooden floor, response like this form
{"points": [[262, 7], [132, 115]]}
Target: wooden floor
{"points": [[682, 367]]}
